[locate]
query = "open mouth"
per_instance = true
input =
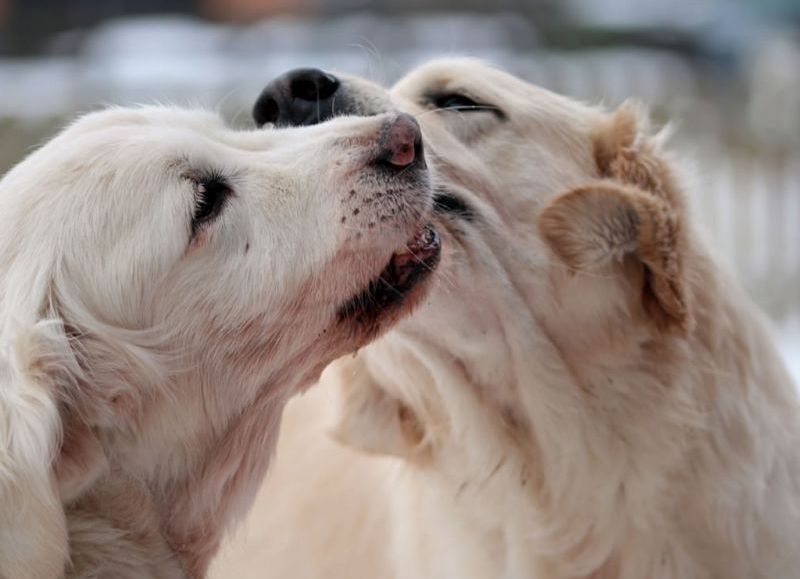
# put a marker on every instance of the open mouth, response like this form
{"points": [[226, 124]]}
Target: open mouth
{"points": [[406, 269]]}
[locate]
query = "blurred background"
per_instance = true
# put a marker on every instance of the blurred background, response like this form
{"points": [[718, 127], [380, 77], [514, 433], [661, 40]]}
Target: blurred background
{"points": [[727, 71]]}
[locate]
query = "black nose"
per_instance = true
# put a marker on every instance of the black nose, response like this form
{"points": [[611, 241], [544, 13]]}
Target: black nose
{"points": [[303, 96]]}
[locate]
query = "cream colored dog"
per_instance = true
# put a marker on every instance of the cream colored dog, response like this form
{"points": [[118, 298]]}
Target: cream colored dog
{"points": [[166, 284], [584, 395]]}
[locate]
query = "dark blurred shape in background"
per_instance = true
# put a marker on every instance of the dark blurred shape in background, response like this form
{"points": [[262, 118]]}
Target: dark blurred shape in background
{"points": [[727, 71], [29, 25]]}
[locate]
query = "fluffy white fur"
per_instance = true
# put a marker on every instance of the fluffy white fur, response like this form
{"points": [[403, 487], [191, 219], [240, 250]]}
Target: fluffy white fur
{"points": [[144, 360], [584, 395]]}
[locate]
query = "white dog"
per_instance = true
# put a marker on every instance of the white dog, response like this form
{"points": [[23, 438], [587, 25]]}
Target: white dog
{"points": [[584, 395], [166, 284]]}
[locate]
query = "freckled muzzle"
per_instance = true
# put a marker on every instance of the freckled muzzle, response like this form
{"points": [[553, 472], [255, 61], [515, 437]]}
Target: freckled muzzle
{"points": [[398, 168], [392, 195]]}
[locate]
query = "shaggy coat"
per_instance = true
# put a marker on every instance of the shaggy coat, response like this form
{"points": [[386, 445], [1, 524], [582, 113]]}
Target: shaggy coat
{"points": [[586, 394], [166, 284]]}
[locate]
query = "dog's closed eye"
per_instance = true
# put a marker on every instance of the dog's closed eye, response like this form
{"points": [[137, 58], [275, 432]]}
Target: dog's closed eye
{"points": [[211, 194], [462, 103], [455, 101]]}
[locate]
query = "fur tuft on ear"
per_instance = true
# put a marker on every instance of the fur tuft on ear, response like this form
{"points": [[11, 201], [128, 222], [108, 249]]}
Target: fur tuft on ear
{"points": [[372, 420], [33, 536], [626, 151], [635, 209], [625, 129]]}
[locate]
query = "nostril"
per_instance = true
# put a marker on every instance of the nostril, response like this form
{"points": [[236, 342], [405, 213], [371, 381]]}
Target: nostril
{"points": [[304, 89], [312, 85], [401, 142], [327, 85], [266, 111]]}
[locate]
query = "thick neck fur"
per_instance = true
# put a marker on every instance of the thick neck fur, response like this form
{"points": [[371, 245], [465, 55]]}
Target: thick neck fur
{"points": [[174, 480], [611, 429], [179, 506]]}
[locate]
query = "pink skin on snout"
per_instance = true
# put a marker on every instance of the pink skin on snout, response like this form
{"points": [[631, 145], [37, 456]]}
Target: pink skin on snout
{"points": [[402, 141]]}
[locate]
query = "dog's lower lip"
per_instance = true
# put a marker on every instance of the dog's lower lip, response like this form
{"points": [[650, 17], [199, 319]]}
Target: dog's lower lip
{"points": [[422, 246], [407, 267]]}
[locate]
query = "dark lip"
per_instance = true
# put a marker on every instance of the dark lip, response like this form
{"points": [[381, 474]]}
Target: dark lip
{"points": [[387, 293]]}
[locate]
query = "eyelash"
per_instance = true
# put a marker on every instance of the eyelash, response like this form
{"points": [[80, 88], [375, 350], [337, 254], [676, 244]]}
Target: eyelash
{"points": [[211, 194], [461, 103], [457, 102]]}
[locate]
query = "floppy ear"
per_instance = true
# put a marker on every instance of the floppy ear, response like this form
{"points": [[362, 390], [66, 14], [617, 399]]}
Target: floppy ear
{"points": [[634, 211], [372, 420], [33, 535]]}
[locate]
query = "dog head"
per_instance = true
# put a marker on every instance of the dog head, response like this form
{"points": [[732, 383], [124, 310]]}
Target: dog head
{"points": [[161, 273], [564, 239]]}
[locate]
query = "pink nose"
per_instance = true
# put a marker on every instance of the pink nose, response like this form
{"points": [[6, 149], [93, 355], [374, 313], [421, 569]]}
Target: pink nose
{"points": [[401, 141]]}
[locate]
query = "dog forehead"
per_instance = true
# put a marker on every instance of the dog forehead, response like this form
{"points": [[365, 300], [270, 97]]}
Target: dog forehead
{"points": [[473, 77], [442, 71], [497, 87], [147, 116]]}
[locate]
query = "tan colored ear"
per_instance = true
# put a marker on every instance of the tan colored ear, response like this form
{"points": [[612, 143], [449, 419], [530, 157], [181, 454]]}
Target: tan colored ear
{"points": [[372, 420], [592, 226], [623, 130], [627, 153]]}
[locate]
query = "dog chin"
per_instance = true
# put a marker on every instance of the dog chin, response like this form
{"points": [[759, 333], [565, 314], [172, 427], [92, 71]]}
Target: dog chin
{"points": [[394, 292]]}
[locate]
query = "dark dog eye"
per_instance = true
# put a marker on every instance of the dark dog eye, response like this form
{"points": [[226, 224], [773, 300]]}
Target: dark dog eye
{"points": [[456, 102], [211, 194]]}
